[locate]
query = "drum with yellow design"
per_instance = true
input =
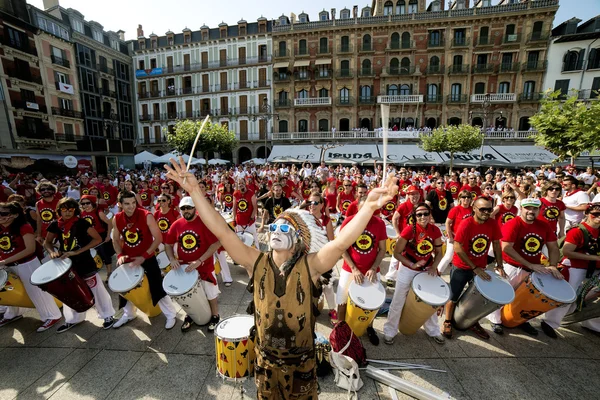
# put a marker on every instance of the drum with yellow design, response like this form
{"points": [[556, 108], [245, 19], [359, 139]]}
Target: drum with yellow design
{"points": [[390, 243], [97, 258], [363, 303], [130, 283], [163, 263], [442, 228], [427, 294], [234, 348], [13, 293]]}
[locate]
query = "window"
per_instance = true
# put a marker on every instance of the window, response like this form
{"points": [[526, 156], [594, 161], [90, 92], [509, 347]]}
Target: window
{"points": [[365, 92], [323, 45], [405, 65], [405, 90], [323, 71], [573, 60], [432, 92], [366, 42], [507, 59], [509, 34], [345, 67], [366, 12], [563, 86], [392, 90], [323, 93], [323, 16], [387, 8], [594, 61], [366, 67], [536, 32], [406, 40], [456, 92], [479, 88], [60, 77], [504, 87], [283, 96], [302, 73], [345, 14], [115, 44], [460, 4], [323, 125], [395, 41], [98, 36], [282, 52], [413, 6], [482, 59], [528, 90], [460, 37], [65, 104], [401, 7], [595, 88], [302, 49], [16, 38], [302, 125], [345, 44], [69, 131], [78, 26], [303, 94], [435, 5], [457, 60], [484, 33], [283, 126], [434, 38], [28, 95], [394, 66], [434, 64], [303, 18], [344, 95]]}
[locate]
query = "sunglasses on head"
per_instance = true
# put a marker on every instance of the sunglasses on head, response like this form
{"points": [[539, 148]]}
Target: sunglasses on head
{"points": [[85, 203], [186, 208], [283, 228], [485, 209]]}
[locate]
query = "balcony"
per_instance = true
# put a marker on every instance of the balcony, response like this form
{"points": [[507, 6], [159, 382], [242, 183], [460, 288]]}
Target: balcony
{"points": [[31, 106], [366, 100], [587, 94], [460, 42], [344, 73], [302, 75], [435, 43], [106, 70], [178, 69], [514, 39], [281, 53], [282, 103], [408, 70], [366, 72], [264, 84], [535, 66], [494, 98], [324, 50], [20, 46], [457, 98], [509, 67], [401, 45], [279, 77], [221, 112], [145, 117], [457, 69], [366, 48], [485, 41], [353, 136], [245, 110], [60, 61], [149, 95], [536, 37], [529, 97], [68, 137], [313, 101], [183, 91], [435, 69], [67, 113], [400, 99], [323, 74], [483, 68], [345, 49], [108, 93], [345, 101], [38, 132], [434, 99], [23, 75]]}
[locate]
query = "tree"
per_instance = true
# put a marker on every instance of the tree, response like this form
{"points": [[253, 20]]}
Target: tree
{"points": [[567, 128], [452, 139], [214, 137]]}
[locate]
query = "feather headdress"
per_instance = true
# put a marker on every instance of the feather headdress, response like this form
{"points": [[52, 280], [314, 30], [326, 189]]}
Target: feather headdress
{"points": [[309, 228]]}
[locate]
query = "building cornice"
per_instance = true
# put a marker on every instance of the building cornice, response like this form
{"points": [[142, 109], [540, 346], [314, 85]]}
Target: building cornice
{"points": [[78, 37]]}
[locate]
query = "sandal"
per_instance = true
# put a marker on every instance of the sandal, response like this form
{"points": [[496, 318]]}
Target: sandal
{"points": [[447, 329]]}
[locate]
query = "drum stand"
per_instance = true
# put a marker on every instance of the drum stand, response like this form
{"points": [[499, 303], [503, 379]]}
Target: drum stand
{"points": [[236, 383]]}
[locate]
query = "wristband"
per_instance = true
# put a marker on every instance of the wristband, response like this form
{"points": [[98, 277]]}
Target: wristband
{"points": [[121, 255]]}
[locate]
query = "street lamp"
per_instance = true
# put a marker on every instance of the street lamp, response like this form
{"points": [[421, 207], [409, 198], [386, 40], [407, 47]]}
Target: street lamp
{"points": [[266, 114]]}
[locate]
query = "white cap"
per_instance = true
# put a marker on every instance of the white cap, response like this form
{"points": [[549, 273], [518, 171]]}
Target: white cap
{"points": [[186, 201], [531, 202]]}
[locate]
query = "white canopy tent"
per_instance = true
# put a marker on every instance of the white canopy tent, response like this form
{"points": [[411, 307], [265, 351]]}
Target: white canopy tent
{"points": [[409, 153], [216, 161], [301, 152], [525, 155], [165, 159], [255, 161], [144, 156], [353, 152]]}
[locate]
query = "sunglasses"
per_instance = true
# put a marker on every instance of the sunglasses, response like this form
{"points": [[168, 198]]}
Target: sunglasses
{"points": [[186, 208], [419, 215], [283, 228], [4, 213], [163, 201], [594, 214], [552, 189], [465, 197], [347, 185], [71, 209], [165, 187], [85, 203], [47, 190], [487, 188], [485, 209], [510, 197], [440, 183]]}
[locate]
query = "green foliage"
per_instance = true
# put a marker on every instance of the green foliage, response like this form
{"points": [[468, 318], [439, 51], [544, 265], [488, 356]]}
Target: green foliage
{"points": [[214, 137], [452, 139], [567, 128]]}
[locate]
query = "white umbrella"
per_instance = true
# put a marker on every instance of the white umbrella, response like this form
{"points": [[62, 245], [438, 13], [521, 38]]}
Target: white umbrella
{"points": [[198, 161], [255, 161], [144, 156], [165, 159], [286, 160], [216, 161], [339, 160]]}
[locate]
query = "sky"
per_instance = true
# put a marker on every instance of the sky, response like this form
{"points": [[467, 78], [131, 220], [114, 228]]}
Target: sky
{"points": [[159, 16]]}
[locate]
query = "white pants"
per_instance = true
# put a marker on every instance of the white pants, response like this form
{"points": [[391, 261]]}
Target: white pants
{"points": [[392, 270], [103, 303], [43, 301], [166, 306], [210, 289], [404, 279], [447, 259], [553, 317], [346, 279], [250, 229], [225, 272], [515, 276]]}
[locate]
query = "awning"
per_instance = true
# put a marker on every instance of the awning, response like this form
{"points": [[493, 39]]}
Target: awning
{"points": [[490, 157], [353, 152], [407, 153], [51, 157], [302, 63], [525, 155], [301, 152], [285, 64], [323, 61]]}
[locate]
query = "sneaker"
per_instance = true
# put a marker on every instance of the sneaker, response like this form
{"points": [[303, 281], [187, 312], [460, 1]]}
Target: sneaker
{"points": [[527, 328], [373, 338], [390, 283], [388, 340], [439, 339], [122, 321], [549, 331], [48, 324], [214, 321], [479, 331], [65, 327], [108, 322], [5, 321], [498, 329], [227, 284], [187, 323], [170, 323]]}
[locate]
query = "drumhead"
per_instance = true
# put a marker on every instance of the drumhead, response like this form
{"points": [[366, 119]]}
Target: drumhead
{"points": [[555, 289], [3, 278], [163, 260], [125, 278], [498, 290], [50, 271], [368, 296], [93, 252], [227, 217], [246, 237], [432, 290], [178, 282], [236, 327], [391, 232]]}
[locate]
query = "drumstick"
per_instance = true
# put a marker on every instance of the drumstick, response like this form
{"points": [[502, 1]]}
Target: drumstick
{"points": [[385, 117], [195, 143]]}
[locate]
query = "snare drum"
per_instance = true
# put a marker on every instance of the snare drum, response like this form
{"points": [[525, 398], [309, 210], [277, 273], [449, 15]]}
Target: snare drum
{"points": [[97, 258], [427, 294], [538, 294], [130, 283], [12, 291], [390, 243], [246, 237], [163, 263], [186, 289], [58, 278], [363, 303], [234, 347], [482, 298]]}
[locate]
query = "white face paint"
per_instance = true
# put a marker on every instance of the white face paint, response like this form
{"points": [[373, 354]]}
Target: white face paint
{"points": [[279, 240]]}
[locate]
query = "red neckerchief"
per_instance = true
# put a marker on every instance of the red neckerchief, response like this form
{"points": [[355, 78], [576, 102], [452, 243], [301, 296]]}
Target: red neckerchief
{"points": [[65, 227], [441, 194], [572, 193]]}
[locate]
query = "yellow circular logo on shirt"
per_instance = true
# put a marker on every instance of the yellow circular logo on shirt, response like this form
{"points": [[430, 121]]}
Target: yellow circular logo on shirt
{"points": [[424, 247], [277, 210], [5, 243], [188, 241], [443, 203], [228, 198], [479, 245], [163, 225], [144, 196], [47, 215], [131, 237], [243, 206]]}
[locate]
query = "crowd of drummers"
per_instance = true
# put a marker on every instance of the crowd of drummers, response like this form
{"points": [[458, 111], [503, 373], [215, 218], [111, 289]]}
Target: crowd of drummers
{"points": [[520, 244]]}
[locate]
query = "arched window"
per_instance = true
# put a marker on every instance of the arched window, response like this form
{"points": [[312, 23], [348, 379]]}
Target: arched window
{"points": [[388, 7], [323, 92], [302, 125], [344, 125], [282, 49], [434, 38], [344, 96], [504, 87], [455, 92], [395, 41], [282, 97], [303, 94], [323, 45], [457, 60], [345, 66], [434, 64], [283, 126], [345, 44], [405, 66], [365, 92], [594, 62], [323, 125], [405, 90], [432, 92], [479, 88], [366, 67], [302, 49], [573, 60], [406, 40], [413, 6], [392, 90], [401, 7], [366, 42]]}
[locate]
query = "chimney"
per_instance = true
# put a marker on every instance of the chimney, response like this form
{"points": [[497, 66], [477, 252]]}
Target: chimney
{"points": [[121, 34], [50, 4], [442, 5], [292, 18], [140, 31]]}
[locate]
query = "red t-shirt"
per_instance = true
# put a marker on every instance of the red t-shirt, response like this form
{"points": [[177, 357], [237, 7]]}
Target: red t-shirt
{"points": [[288, 189], [85, 189], [109, 194], [145, 196], [504, 214], [575, 236], [406, 211], [193, 238], [11, 244], [475, 190], [47, 213], [422, 248], [476, 240], [244, 210], [454, 188], [345, 200], [305, 191], [331, 200], [165, 221], [403, 185], [549, 212], [94, 219], [135, 233], [227, 199], [388, 208], [352, 208], [527, 239], [364, 251], [457, 215], [155, 186]]}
